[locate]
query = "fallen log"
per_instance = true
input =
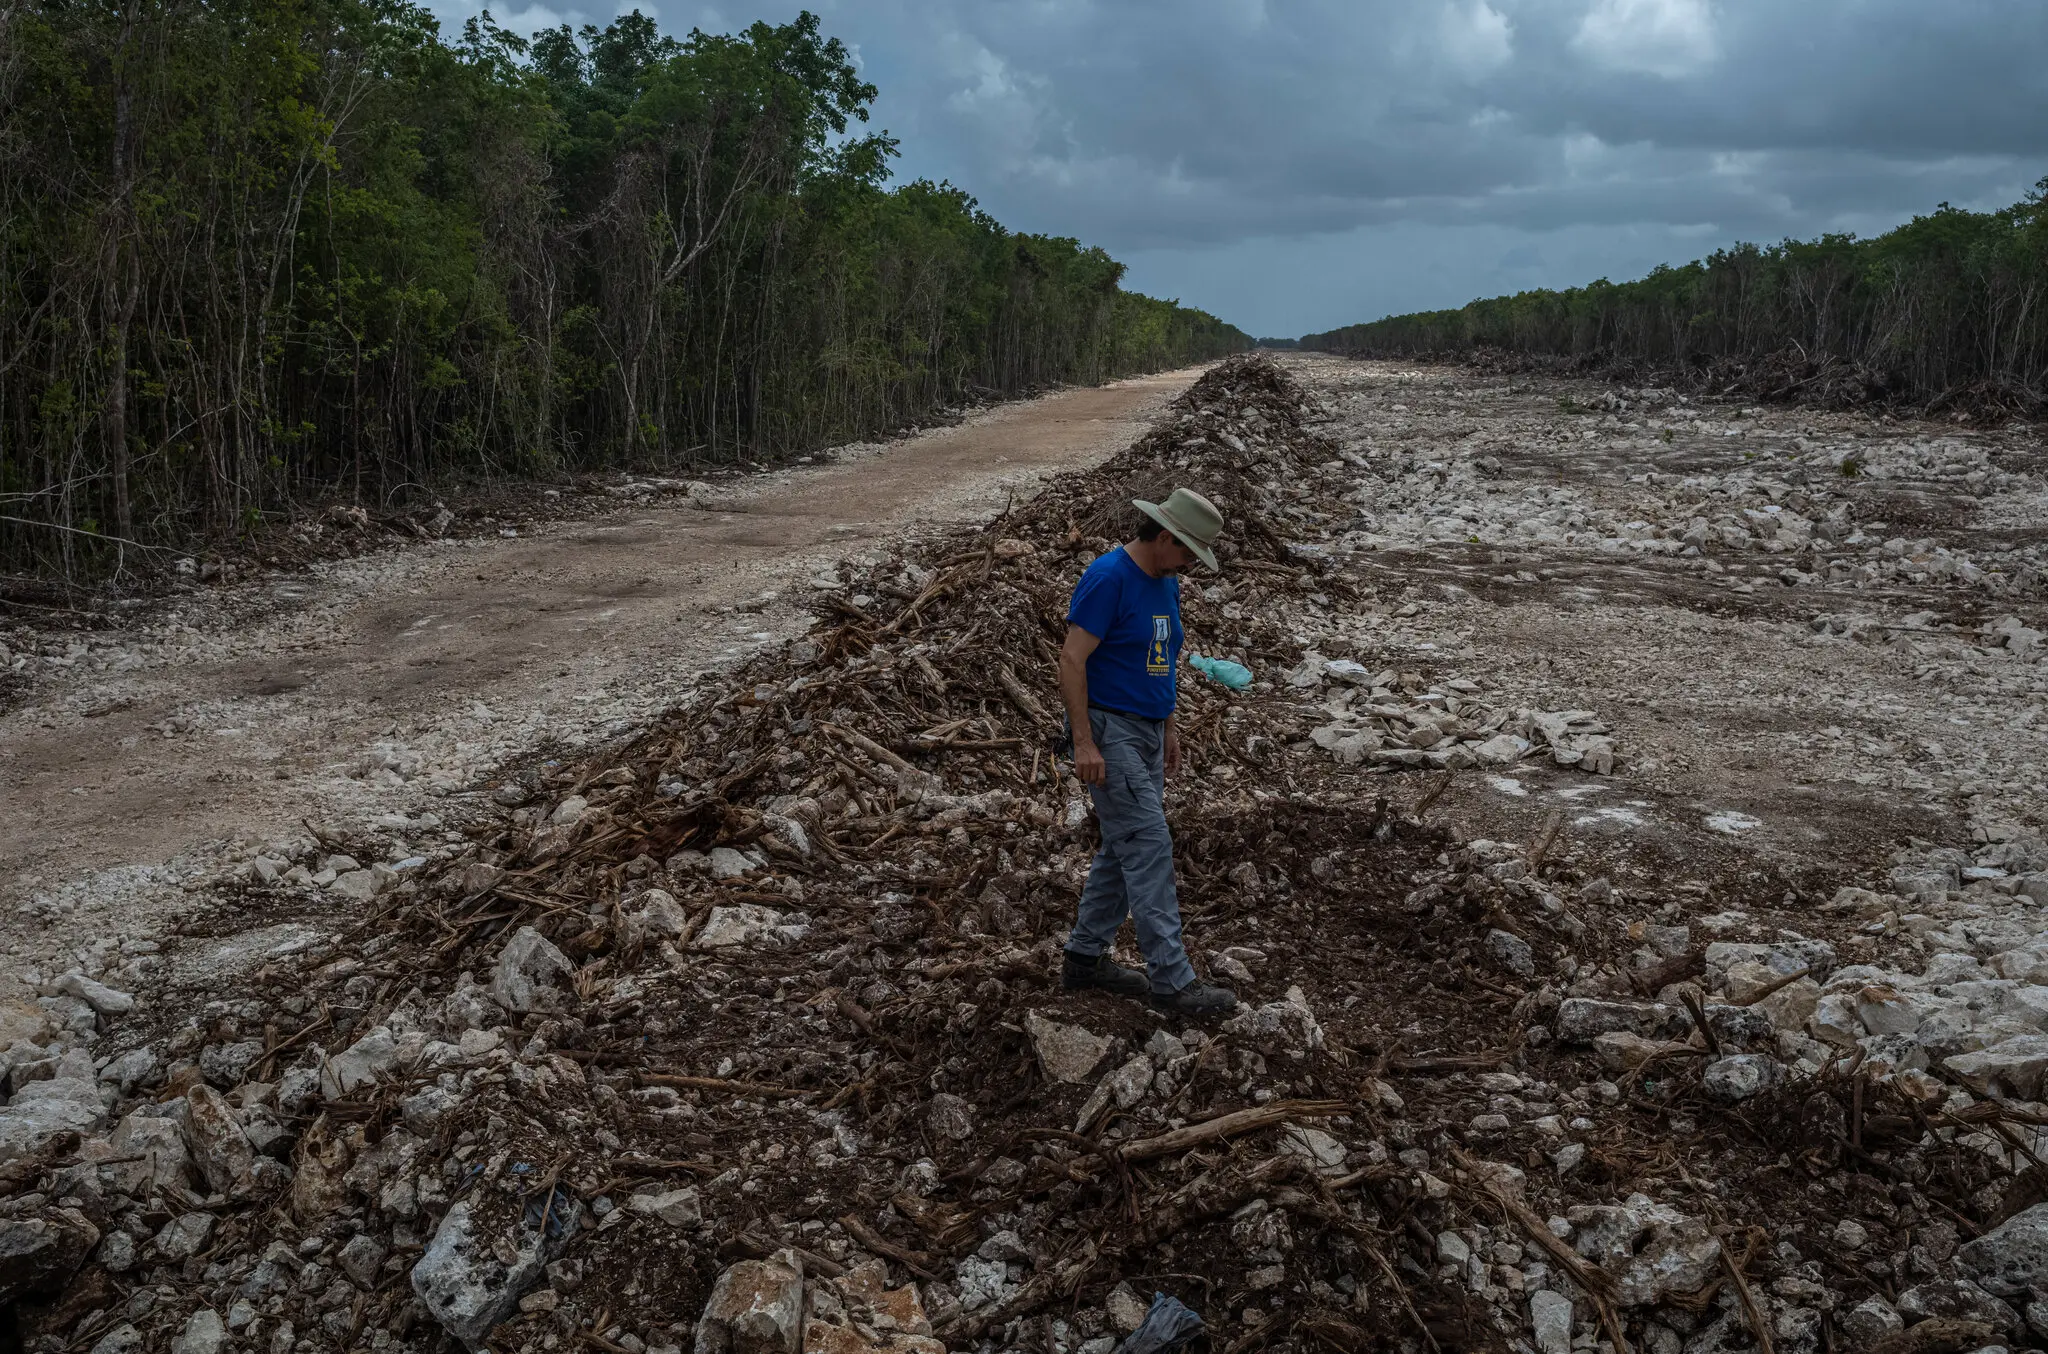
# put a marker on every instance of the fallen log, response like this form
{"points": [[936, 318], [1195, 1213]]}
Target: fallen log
{"points": [[1230, 1126]]}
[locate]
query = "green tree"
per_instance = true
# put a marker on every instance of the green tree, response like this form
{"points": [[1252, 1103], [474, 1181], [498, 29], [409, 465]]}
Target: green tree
{"points": [[1947, 307], [255, 254]]}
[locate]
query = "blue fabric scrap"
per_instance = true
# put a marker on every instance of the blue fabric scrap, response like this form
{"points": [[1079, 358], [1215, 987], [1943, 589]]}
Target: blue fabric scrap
{"points": [[1170, 1327]]}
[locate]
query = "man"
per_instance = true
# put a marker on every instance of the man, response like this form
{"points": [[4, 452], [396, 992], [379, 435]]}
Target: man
{"points": [[1117, 671]]}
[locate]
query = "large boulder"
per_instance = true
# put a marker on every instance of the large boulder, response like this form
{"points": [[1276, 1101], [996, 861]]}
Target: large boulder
{"points": [[40, 1252], [2012, 1067], [218, 1146], [750, 926], [1650, 1250], [1287, 1026], [1581, 1020], [2010, 1260], [530, 973], [44, 1111], [756, 1307], [150, 1154], [1065, 1052], [463, 1280]]}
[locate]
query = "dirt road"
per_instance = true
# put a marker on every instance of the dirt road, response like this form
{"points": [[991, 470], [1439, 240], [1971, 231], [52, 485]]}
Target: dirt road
{"points": [[162, 753]]}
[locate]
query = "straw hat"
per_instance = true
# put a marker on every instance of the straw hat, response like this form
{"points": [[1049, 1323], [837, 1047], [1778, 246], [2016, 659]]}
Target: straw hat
{"points": [[1192, 519]]}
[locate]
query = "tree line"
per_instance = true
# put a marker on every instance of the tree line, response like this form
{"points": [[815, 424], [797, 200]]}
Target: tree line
{"points": [[1947, 311], [255, 253]]}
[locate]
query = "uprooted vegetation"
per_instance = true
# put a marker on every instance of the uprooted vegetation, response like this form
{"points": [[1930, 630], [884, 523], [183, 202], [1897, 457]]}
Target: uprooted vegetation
{"points": [[753, 1014]]}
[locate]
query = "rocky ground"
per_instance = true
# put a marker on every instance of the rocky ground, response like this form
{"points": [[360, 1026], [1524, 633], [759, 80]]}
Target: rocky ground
{"points": [[1630, 855], [1821, 622]]}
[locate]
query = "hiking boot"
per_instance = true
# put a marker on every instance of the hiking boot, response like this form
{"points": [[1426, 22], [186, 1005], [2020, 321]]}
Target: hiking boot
{"points": [[1197, 999], [1079, 971]]}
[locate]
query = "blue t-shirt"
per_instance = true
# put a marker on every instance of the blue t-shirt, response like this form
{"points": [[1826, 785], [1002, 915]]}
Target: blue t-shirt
{"points": [[1137, 619]]}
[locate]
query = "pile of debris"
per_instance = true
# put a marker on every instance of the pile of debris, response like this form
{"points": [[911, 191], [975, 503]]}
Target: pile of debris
{"points": [[1388, 719], [742, 1036]]}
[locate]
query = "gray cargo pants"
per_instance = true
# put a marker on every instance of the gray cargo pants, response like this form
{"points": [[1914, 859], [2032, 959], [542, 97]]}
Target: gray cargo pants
{"points": [[1132, 875]]}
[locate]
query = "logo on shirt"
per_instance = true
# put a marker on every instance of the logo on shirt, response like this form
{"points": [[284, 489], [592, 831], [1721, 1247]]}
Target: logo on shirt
{"points": [[1158, 662]]}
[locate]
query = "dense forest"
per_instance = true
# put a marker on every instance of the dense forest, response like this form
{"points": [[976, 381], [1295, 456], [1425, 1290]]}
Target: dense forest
{"points": [[1948, 310], [254, 253]]}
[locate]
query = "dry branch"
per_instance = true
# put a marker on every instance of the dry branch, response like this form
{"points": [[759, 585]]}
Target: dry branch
{"points": [[720, 1085], [1230, 1126], [918, 1263], [1597, 1285]]}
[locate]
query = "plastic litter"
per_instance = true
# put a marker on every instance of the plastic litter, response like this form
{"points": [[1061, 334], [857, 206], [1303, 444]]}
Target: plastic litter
{"points": [[1222, 671], [1170, 1327], [556, 1207]]}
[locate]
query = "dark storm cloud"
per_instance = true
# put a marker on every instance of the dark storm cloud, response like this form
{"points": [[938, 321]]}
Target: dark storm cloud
{"points": [[1183, 133], [1176, 123]]}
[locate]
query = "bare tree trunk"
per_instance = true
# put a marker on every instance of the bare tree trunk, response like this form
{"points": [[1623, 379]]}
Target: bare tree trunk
{"points": [[122, 287]]}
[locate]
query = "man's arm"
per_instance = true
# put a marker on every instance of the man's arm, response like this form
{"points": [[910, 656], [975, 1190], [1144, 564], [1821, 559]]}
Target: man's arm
{"points": [[1074, 653]]}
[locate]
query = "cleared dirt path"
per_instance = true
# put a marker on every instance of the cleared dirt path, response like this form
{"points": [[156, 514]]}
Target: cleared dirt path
{"points": [[365, 689]]}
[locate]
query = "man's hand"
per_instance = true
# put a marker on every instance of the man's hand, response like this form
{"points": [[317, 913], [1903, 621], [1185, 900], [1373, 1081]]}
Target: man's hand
{"points": [[1172, 749], [1088, 763]]}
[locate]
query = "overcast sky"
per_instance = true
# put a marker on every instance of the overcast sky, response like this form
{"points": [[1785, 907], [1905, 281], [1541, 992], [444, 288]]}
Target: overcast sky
{"points": [[1293, 165]]}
